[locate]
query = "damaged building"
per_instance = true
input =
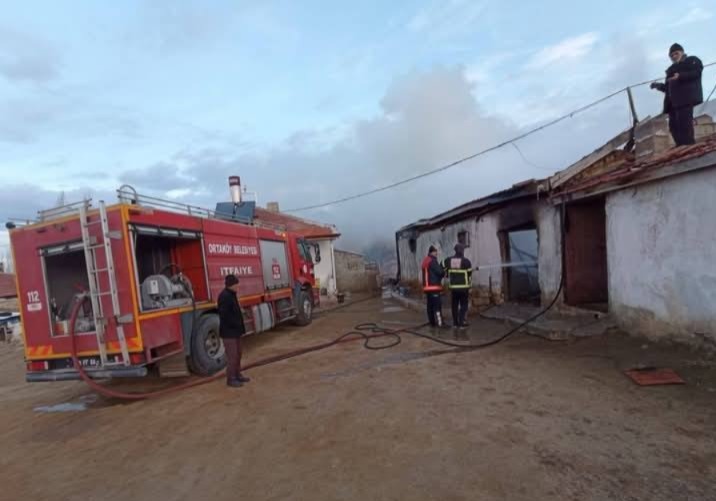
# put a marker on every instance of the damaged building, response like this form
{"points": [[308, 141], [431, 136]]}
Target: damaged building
{"points": [[627, 231], [497, 229]]}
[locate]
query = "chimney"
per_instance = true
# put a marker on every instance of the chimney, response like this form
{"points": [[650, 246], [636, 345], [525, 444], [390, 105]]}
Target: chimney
{"points": [[272, 206], [652, 137], [235, 188]]}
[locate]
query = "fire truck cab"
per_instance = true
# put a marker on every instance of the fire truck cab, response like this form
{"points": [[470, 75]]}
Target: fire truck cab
{"points": [[149, 272]]}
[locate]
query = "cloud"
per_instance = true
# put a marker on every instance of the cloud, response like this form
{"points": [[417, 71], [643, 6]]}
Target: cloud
{"points": [[163, 177], [570, 49], [23, 201], [442, 19], [27, 58], [694, 15], [64, 113], [169, 27], [426, 119]]}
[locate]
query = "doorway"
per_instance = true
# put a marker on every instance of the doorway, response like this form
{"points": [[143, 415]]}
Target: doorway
{"points": [[586, 284], [522, 272]]}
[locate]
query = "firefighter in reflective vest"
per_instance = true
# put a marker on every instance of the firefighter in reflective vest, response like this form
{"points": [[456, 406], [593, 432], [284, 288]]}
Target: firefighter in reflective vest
{"points": [[433, 275], [459, 273]]}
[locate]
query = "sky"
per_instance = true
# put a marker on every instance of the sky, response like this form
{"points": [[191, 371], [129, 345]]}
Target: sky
{"points": [[311, 101]]}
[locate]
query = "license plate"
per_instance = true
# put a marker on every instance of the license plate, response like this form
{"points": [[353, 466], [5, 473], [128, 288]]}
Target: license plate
{"points": [[89, 362]]}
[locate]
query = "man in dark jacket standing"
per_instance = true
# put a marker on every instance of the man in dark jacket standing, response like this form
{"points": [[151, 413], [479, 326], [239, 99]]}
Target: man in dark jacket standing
{"points": [[683, 91], [459, 273], [432, 274], [231, 328]]}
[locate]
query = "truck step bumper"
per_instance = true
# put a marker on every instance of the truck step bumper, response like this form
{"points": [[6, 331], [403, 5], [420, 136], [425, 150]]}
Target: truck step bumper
{"points": [[71, 375]]}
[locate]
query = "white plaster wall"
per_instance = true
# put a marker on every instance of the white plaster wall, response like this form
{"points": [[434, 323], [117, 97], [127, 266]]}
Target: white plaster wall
{"points": [[324, 269], [550, 251], [487, 253], [444, 239], [485, 247], [661, 248]]}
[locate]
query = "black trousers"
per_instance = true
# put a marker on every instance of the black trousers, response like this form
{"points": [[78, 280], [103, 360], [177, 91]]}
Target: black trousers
{"points": [[681, 125], [435, 308], [232, 347], [459, 306]]}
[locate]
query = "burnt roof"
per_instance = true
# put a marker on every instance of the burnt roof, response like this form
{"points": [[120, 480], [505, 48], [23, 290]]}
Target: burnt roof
{"points": [[529, 188], [629, 171]]}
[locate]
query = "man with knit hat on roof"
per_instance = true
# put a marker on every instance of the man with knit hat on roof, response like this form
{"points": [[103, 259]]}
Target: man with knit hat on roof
{"points": [[683, 91]]}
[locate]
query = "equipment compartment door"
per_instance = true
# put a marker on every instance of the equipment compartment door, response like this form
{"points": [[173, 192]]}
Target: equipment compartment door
{"points": [[274, 264]]}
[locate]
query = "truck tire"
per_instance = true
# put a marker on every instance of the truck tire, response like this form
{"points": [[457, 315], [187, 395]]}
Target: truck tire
{"points": [[304, 315], [207, 349]]}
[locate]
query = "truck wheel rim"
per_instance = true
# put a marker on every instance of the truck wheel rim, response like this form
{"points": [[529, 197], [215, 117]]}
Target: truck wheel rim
{"points": [[213, 345], [307, 307]]}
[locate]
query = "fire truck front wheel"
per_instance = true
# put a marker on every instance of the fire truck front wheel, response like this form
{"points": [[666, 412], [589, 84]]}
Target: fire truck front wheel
{"points": [[304, 316], [207, 350]]}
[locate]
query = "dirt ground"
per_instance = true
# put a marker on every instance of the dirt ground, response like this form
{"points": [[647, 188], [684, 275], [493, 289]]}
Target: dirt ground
{"points": [[525, 420]]}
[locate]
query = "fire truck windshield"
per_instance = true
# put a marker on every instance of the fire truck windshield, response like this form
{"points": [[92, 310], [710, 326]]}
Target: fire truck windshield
{"points": [[304, 251]]}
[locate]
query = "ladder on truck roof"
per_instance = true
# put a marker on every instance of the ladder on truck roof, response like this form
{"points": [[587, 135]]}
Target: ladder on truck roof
{"points": [[95, 284]]}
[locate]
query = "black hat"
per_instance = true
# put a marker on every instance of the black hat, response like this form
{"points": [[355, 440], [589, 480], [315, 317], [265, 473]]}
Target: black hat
{"points": [[230, 280], [459, 248], [674, 48], [432, 249]]}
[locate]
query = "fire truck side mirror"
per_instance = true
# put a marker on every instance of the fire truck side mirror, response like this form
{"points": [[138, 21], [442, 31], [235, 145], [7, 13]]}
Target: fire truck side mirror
{"points": [[317, 253]]}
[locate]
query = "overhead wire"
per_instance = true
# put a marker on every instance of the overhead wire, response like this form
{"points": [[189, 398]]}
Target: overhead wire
{"points": [[711, 94], [527, 161], [467, 158], [463, 159]]}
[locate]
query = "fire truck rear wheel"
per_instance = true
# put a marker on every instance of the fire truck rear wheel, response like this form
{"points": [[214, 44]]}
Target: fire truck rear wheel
{"points": [[304, 315], [207, 349]]}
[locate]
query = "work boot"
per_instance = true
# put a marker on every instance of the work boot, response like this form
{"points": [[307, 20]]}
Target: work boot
{"points": [[243, 379], [234, 383]]}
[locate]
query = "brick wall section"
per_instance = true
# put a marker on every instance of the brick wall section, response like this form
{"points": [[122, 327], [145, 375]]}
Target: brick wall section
{"points": [[653, 136], [7, 286]]}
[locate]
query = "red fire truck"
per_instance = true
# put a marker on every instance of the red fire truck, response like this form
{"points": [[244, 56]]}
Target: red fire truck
{"points": [[152, 270]]}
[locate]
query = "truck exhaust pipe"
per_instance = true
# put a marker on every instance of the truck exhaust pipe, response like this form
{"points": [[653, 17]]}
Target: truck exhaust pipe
{"points": [[235, 188]]}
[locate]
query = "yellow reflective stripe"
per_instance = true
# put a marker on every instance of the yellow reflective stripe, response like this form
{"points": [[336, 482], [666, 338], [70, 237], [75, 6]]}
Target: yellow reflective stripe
{"points": [[465, 274]]}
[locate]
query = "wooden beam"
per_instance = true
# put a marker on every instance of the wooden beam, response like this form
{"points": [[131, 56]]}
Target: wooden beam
{"points": [[565, 175]]}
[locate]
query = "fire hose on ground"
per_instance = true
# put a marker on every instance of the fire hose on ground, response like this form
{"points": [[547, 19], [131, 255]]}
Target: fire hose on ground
{"points": [[366, 332]]}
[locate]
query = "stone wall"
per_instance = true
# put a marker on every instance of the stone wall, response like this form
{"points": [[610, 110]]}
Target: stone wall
{"points": [[354, 274]]}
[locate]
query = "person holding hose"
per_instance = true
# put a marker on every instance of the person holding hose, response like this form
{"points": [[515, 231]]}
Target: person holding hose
{"points": [[459, 273], [231, 328], [433, 274], [683, 91]]}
